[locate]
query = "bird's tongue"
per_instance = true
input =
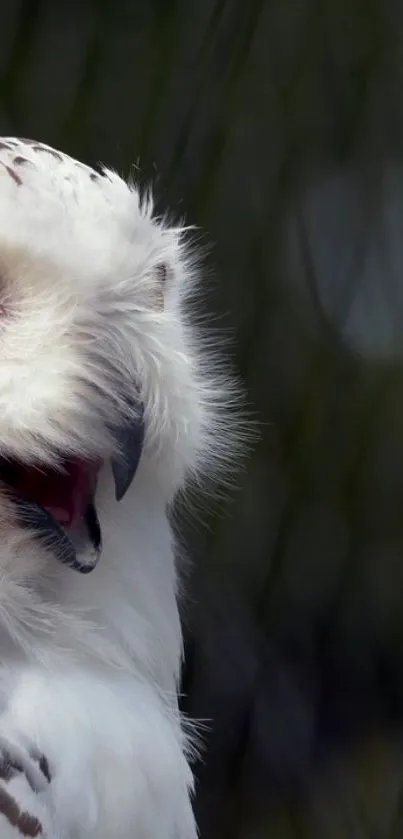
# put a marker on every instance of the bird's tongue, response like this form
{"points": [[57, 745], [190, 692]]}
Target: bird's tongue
{"points": [[65, 494]]}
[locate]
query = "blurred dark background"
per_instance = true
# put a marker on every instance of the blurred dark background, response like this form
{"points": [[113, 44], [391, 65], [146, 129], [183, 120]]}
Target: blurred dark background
{"points": [[277, 127]]}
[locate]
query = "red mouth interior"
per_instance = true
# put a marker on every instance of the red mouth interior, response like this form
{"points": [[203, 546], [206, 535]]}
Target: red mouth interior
{"points": [[64, 494]]}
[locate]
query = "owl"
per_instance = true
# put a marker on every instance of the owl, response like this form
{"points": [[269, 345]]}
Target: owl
{"points": [[112, 401]]}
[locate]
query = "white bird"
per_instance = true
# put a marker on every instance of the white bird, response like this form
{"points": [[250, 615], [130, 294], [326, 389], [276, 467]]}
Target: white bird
{"points": [[110, 402]]}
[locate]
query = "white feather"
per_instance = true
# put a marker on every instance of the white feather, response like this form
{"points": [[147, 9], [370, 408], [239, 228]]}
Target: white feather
{"points": [[90, 665]]}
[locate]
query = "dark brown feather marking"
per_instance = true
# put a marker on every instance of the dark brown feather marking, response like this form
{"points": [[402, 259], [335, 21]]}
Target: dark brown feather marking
{"points": [[8, 770], [44, 767], [27, 824], [13, 175], [52, 152]]}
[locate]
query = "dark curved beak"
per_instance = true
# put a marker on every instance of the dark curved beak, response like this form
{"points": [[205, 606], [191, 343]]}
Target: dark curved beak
{"points": [[130, 440]]}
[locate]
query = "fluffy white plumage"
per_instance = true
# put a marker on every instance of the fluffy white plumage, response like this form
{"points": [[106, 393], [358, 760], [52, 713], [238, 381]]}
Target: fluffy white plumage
{"points": [[92, 294]]}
